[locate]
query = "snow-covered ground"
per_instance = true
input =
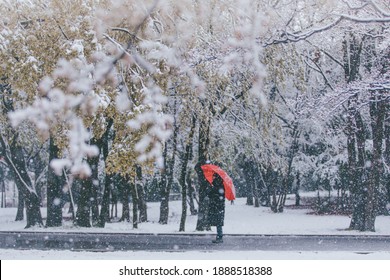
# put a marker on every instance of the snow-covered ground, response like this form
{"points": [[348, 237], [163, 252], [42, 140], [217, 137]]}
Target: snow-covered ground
{"points": [[240, 219]]}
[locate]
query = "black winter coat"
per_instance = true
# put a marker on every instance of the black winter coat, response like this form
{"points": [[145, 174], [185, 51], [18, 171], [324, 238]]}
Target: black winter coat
{"points": [[216, 194]]}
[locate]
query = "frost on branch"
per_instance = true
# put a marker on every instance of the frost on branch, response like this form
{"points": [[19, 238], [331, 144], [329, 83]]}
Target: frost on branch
{"points": [[57, 109], [71, 94], [157, 123], [243, 47]]}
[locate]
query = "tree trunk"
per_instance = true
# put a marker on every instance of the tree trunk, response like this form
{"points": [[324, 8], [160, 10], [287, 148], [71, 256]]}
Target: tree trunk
{"points": [[352, 49], [256, 194], [355, 189], [190, 192], [359, 173], [20, 212], [283, 195], [125, 190], [387, 151], [265, 188], [143, 214], [247, 168], [364, 181], [274, 190], [204, 139], [183, 200], [182, 180], [259, 184], [164, 205], [94, 189], [14, 157], [203, 145], [23, 181], [202, 223], [87, 203], [135, 200], [169, 166], [377, 114], [105, 207], [296, 190], [54, 190], [163, 186], [249, 197], [33, 211], [83, 205]]}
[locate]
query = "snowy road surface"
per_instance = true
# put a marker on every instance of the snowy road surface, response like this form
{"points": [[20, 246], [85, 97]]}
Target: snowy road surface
{"points": [[190, 242]]}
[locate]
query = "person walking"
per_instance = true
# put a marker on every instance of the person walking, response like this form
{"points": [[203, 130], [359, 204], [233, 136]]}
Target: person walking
{"points": [[216, 215]]}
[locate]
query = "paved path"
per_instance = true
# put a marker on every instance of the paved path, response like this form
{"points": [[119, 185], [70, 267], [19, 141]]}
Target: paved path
{"points": [[191, 242]]}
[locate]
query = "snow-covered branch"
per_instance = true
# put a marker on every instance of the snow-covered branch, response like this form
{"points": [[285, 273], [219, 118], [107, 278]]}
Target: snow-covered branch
{"points": [[365, 20], [368, 12], [13, 167], [289, 37], [58, 109]]}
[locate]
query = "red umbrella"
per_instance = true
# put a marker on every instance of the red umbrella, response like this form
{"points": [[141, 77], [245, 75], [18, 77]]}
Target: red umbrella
{"points": [[210, 169]]}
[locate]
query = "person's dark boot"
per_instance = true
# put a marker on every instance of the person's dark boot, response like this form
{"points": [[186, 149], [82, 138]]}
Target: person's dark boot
{"points": [[218, 240]]}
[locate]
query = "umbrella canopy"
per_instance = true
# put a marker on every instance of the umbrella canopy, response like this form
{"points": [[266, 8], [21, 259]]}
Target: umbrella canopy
{"points": [[210, 169]]}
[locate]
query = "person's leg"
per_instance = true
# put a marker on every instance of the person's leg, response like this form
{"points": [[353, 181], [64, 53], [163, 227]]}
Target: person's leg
{"points": [[219, 232], [218, 239]]}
